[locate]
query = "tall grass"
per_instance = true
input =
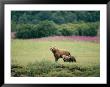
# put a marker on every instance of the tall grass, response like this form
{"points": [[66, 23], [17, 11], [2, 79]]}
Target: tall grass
{"points": [[52, 69]]}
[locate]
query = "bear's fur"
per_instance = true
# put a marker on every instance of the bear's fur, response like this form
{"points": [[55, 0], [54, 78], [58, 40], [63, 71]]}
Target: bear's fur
{"points": [[73, 58], [68, 58], [59, 53]]}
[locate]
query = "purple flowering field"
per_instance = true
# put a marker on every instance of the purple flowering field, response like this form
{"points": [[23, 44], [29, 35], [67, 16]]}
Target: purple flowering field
{"points": [[70, 38], [62, 38]]}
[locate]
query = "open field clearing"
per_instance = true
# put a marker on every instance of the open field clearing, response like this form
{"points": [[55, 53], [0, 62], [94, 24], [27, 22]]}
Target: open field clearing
{"points": [[32, 57]]}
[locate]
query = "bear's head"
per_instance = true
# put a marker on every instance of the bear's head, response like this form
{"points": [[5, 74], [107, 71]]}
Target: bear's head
{"points": [[53, 49]]}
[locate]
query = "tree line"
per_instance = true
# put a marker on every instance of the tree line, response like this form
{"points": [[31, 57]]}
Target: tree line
{"points": [[59, 17], [32, 24]]}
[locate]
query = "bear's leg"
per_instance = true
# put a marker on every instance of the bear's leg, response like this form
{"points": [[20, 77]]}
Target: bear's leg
{"points": [[64, 60], [56, 59]]}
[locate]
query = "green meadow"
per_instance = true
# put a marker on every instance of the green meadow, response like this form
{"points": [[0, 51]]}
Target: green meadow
{"points": [[32, 58]]}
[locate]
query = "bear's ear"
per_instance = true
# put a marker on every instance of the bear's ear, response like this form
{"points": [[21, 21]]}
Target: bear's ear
{"points": [[51, 49]]}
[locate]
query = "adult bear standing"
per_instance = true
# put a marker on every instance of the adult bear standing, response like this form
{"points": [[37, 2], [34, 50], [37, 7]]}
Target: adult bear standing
{"points": [[59, 53]]}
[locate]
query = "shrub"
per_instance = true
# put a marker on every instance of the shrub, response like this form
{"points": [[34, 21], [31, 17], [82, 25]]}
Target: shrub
{"points": [[88, 29], [25, 31], [66, 32], [47, 28], [46, 68], [81, 29], [43, 29], [17, 70]]}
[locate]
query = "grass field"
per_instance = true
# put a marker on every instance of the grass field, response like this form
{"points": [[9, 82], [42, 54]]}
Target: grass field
{"points": [[32, 57]]}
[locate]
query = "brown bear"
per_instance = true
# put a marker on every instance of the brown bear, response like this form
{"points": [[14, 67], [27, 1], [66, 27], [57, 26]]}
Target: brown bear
{"points": [[68, 58], [59, 53], [73, 58]]}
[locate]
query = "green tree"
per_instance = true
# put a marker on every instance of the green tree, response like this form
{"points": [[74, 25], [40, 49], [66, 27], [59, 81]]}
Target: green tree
{"points": [[46, 28]]}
